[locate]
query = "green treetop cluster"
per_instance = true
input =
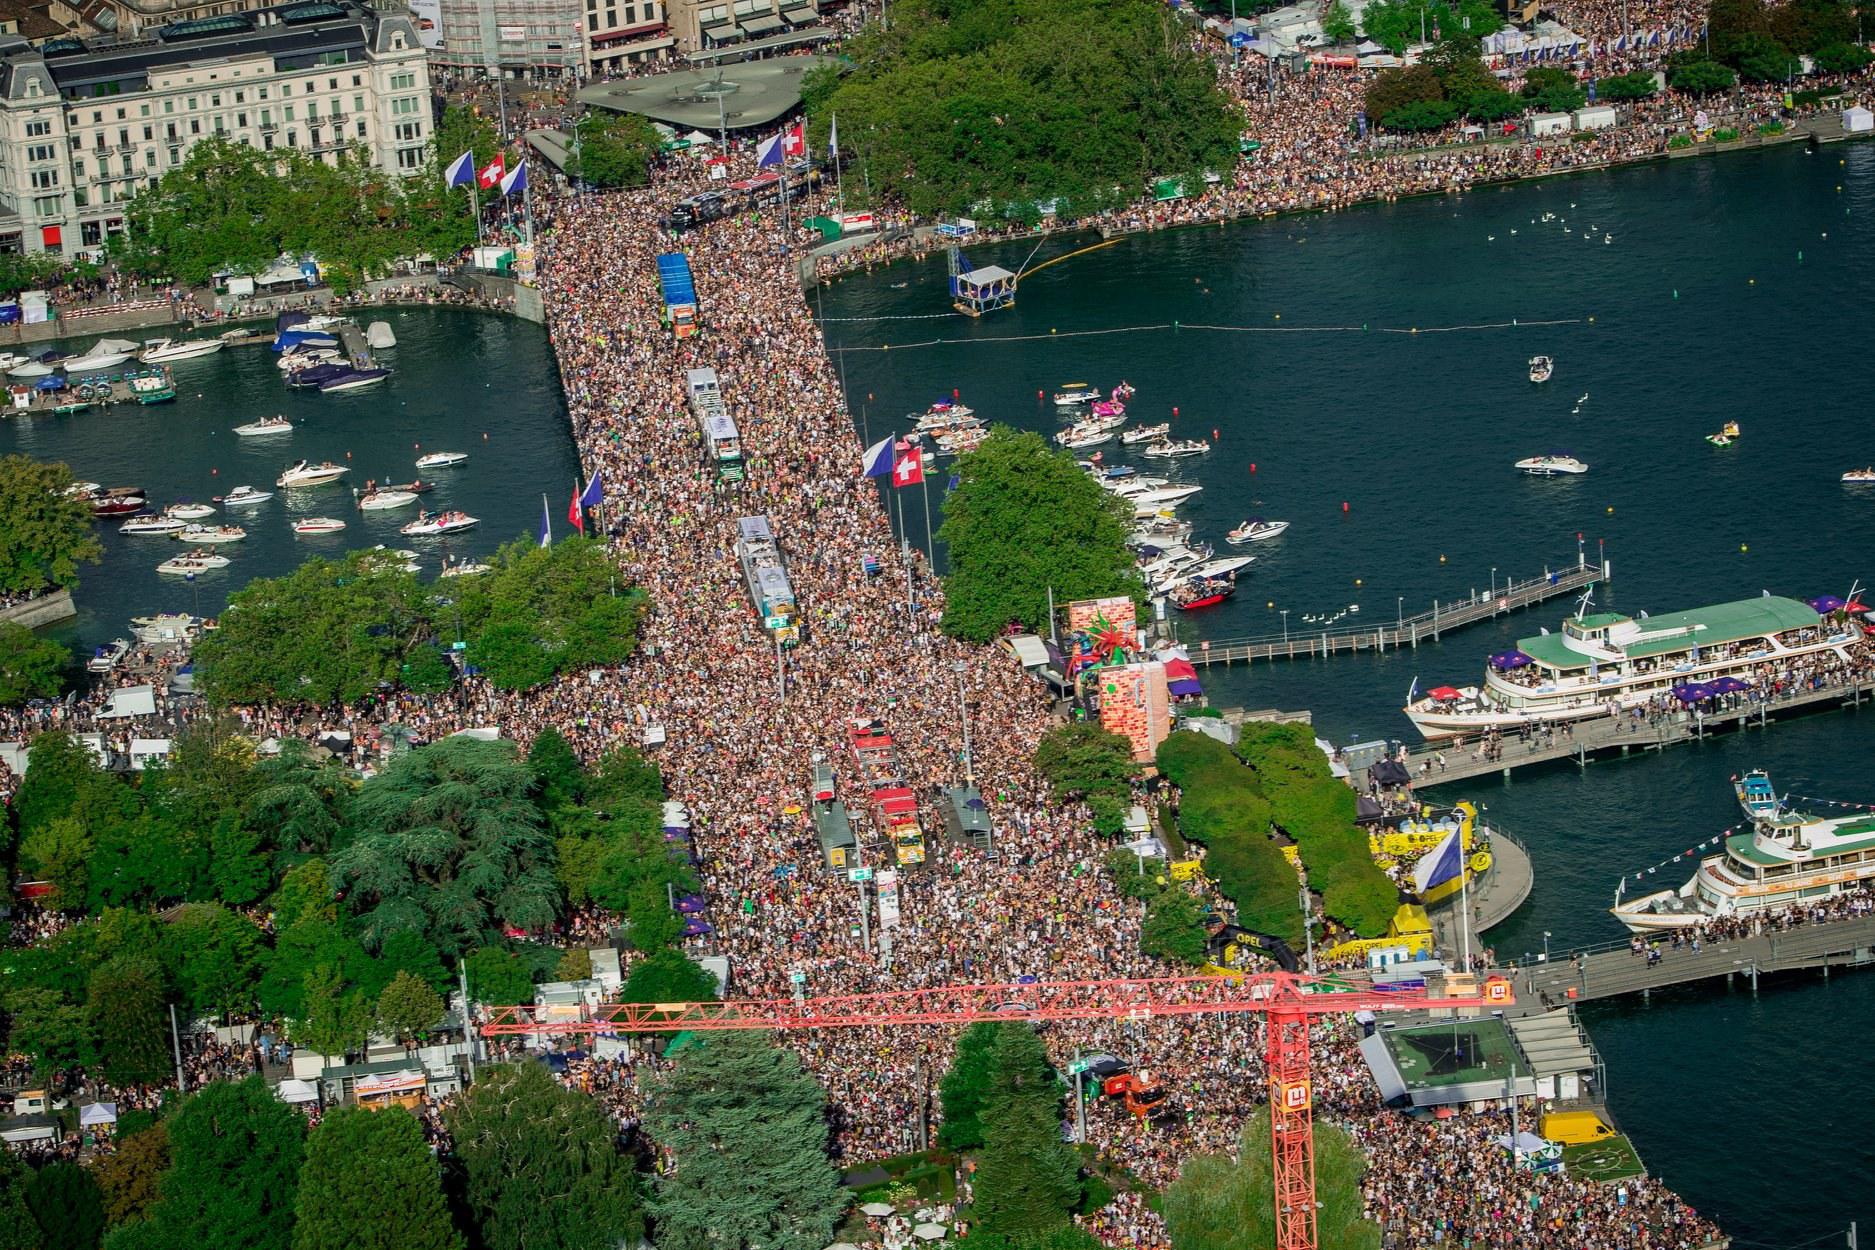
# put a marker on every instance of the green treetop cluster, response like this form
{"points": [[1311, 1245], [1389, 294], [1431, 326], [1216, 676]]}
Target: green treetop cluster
{"points": [[997, 105], [339, 630], [1224, 1203], [1025, 519], [375, 889]]}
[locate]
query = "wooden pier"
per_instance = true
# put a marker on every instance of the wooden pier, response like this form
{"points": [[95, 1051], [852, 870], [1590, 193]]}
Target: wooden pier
{"points": [[1429, 626], [1613, 970], [1460, 759]]}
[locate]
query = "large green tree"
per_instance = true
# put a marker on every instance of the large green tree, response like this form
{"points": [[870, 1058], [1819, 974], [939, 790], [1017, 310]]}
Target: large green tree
{"points": [[966, 1085], [746, 1129], [1083, 760], [1024, 520], [371, 1183], [449, 845], [408, 1009], [214, 958], [30, 666], [236, 1151], [59, 853], [45, 1025], [611, 149], [541, 1165], [1396, 23], [45, 532], [1027, 1179], [18, 1229], [1221, 1203], [68, 1207], [129, 1009], [988, 106], [131, 1176], [540, 611], [670, 976]]}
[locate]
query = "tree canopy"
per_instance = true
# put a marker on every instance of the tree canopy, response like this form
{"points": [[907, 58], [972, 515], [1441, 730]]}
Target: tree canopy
{"points": [[966, 103], [370, 1183], [967, 1084], [30, 666], [1221, 1203], [541, 1165], [1024, 520], [1396, 23], [45, 532], [1027, 1180], [1083, 760], [746, 1130], [614, 149]]}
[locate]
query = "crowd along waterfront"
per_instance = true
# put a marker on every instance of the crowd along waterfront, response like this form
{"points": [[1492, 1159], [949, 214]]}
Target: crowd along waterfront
{"points": [[473, 382], [1681, 295]]}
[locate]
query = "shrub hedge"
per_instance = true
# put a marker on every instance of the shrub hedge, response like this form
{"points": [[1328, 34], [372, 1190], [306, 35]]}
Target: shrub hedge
{"points": [[1222, 809]]}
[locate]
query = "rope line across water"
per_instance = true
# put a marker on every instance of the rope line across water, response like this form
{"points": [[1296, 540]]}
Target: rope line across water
{"points": [[1185, 325]]}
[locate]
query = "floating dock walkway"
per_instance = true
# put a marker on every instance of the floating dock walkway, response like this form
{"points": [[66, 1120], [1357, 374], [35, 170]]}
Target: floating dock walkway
{"points": [[1460, 759], [1407, 631]]}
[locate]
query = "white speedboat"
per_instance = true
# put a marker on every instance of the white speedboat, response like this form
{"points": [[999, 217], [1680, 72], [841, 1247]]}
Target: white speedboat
{"points": [[306, 357], [186, 511], [1222, 566], [1551, 465], [1146, 433], [1541, 367], [1162, 535], [1255, 530], [31, 369], [1783, 859], [212, 534], [441, 459], [1164, 496], [1179, 449], [1859, 476], [201, 560], [163, 351], [1135, 486], [107, 657], [1074, 394], [434, 523], [106, 355], [306, 473], [152, 524], [82, 490], [464, 570], [955, 444], [165, 627], [266, 425], [385, 500], [318, 525], [402, 558], [1085, 434], [241, 496]]}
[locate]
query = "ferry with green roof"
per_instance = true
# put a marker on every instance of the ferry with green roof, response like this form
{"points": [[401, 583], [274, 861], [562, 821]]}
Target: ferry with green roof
{"points": [[1605, 662], [1785, 858]]}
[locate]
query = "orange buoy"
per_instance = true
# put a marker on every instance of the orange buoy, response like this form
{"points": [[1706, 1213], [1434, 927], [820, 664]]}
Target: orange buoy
{"points": [[954, 392], [1214, 434], [1253, 466], [1344, 505], [1038, 394], [1175, 410]]}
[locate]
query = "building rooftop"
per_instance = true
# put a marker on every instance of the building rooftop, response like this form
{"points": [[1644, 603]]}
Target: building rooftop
{"points": [[757, 93]]}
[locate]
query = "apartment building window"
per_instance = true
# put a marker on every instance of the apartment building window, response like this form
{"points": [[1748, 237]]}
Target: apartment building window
{"points": [[78, 171], [404, 82], [289, 112], [358, 80], [175, 156], [332, 84], [40, 152], [408, 132], [240, 119], [263, 93], [169, 106], [35, 129], [192, 104], [90, 233], [46, 205], [409, 158], [149, 133], [44, 179], [218, 124], [214, 101], [143, 111], [195, 125], [312, 110], [358, 104], [404, 105], [123, 137], [286, 89], [266, 141], [592, 22], [361, 128], [292, 139], [240, 97], [149, 159], [79, 198]]}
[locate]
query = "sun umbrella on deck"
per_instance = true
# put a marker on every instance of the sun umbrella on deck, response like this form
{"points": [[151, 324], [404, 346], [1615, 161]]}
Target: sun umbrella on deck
{"points": [[1827, 603], [1444, 694], [928, 1232], [877, 1208]]}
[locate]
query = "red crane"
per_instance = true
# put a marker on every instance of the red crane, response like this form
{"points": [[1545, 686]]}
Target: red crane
{"points": [[1290, 1000]]}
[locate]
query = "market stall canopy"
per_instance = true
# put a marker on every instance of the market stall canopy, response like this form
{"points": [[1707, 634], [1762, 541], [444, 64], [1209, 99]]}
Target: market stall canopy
{"points": [[130, 701], [298, 1091], [1692, 692], [97, 1113]]}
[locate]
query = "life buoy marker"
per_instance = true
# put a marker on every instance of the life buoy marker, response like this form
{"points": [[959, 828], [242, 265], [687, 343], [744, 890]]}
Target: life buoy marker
{"points": [[1481, 862]]}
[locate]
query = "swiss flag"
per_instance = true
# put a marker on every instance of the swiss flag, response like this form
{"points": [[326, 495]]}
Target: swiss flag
{"points": [[491, 173], [908, 469], [576, 515], [793, 142]]}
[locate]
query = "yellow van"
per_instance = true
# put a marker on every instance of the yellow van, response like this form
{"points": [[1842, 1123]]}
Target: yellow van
{"points": [[1573, 1128]]}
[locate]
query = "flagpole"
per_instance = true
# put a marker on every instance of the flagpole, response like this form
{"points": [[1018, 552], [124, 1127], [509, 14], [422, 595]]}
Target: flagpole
{"points": [[904, 551], [930, 539], [839, 187], [1464, 904]]}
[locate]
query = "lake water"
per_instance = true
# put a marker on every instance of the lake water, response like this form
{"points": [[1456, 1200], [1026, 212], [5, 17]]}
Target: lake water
{"points": [[1690, 292], [463, 381]]}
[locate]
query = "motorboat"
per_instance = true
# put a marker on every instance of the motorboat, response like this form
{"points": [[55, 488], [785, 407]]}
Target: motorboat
{"points": [[32, 369], [962, 441], [1164, 535], [241, 496], [307, 474], [108, 656], [303, 340], [1146, 433], [306, 357], [434, 523], [150, 523], [1204, 592], [83, 490], [1726, 435], [315, 375], [441, 459], [183, 510], [353, 379], [1860, 476], [385, 500], [266, 425], [1126, 488], [1083, 434], [318, 525], [117, 501], [1164, 496], [1541, 367], [1179, 449], [402, 558], [1074, 394], [165, 627], [163, 351], [469, 569], [212, 534], [95, 361], [150, 386], [1123, 392], [200, 560], [1224, 566], [1551, 465], [1255, 530], [944, 413]]}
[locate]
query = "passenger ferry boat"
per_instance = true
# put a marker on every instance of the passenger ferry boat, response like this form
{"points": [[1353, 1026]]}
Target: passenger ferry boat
{"points": [[1604, 659], [1541, 368], [1786, 857]]}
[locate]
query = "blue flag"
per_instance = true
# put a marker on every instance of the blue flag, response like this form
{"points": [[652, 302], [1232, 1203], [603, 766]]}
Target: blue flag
{"points": [[877, 462], [593, 495], [515, 182], [461, 171]]}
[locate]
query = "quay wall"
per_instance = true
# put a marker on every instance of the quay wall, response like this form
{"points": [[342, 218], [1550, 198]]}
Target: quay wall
{"points": [[43, 610]]}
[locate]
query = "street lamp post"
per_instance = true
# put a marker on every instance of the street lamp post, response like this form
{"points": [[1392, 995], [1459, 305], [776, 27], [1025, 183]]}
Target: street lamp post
{"points": [[1546, 936], [1308, 928], [1494, 581], [963, 713], [1285, 616], [1399, 612]]}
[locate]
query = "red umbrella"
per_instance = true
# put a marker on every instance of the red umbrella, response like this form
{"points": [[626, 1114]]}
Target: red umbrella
{"points": [[1443, 694]]}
